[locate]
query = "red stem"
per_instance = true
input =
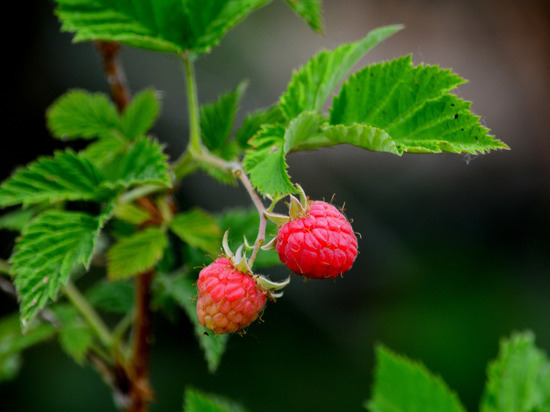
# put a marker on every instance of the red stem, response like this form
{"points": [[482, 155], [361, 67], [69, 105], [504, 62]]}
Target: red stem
{"points": [[132, 377]]}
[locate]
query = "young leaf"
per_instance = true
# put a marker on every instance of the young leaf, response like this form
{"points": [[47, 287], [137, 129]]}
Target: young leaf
{"points": [[102, 152], [411, 107], [312, 84], [519, 379], [142, 163], [402, 385], [65, 176], [75, 335], [310, 11], [13, 342], [266, 163], [50, 248], [82, 115], [131, 213], [166, 26], [253, 123], [136, 254], [140, 115], [195, 401], [182, 289], [216, 119], [198, 229]]}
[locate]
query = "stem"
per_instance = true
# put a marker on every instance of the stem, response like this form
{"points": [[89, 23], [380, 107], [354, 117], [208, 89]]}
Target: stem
{"points": [[115, 75], [140, 391], [91, 316], [239, 173], [193, 106], [184, 165]]}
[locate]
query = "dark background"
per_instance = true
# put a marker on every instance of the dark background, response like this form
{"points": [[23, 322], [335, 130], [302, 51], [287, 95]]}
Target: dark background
{"points": [[455, 250]]}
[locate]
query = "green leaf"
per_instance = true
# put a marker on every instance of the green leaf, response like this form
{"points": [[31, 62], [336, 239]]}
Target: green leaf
{"points": [[75, 335], [65, 176], [82, 115], [266, 161], [138, 118], [16, 219], [165, 26], [136, 254], [102, 152], [402, 385], [51, 247], [310, 11], [142, 163], [519, 379], [182, 289], [131, 213], [216, 119], [244, 223], [253, 122], [112, 297], [13, 342], [195, 401], [413, 107], [198, 229], [313, 83]]}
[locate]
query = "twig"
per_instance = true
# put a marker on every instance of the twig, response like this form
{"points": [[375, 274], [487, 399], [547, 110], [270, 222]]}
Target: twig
{"points": [[114, 72]]}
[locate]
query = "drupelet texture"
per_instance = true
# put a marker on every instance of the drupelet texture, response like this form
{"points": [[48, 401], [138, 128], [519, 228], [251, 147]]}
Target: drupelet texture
{"points": [[320, 244], [228, 300]]}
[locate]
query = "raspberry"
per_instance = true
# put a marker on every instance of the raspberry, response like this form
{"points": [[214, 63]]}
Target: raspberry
{"points": [[229, 300], [320, 243]]}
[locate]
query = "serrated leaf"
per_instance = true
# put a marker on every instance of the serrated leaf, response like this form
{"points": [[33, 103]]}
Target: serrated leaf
{"points": [[165, 26], [182, 289], [519, 379], [140, 115], [217, 118], [13, 342], [136, 254], [310, 11], [195, 401], [402, 385], [313, 83], [49, 249], [65, 176], [198, 229], [82, 115], [266, 161], [253, 122], [75, 335], [142, 163], [112, 297], [413, 107], [245, 223]]}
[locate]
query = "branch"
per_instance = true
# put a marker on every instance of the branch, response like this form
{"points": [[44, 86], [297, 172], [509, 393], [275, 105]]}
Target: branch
{"points": [[114, 72]]}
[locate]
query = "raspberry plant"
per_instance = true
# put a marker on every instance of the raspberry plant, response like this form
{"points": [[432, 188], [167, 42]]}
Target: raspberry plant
{"points": [[111, 205]]}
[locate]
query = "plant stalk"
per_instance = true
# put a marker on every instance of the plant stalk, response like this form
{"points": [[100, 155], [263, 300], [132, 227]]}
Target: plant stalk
{"points": [[89, 314]]}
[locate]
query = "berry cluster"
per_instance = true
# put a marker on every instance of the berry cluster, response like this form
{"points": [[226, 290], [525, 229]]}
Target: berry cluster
{"points": [[315, 240]]}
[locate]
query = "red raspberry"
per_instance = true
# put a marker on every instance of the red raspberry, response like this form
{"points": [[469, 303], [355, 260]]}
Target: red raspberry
{"points": [[229, 300], [319, 244]]}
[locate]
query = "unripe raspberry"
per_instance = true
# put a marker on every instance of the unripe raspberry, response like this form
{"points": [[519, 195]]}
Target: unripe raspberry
{"points": [[319, 243], [228, 299]]}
